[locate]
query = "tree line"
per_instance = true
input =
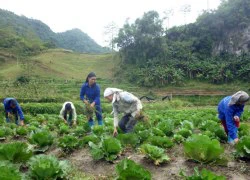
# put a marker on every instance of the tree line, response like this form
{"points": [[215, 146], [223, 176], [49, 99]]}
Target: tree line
{"points": [[153, 55]]}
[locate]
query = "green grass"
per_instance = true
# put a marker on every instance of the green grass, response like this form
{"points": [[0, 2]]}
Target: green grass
{"points": [[10, 70], [50, 70], [61, 64]]}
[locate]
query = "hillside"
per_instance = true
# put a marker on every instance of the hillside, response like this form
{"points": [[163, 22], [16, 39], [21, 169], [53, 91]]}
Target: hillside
{"points": [[59, 64], [20, 34], [214, 49], [222, 31], [77, 41]]}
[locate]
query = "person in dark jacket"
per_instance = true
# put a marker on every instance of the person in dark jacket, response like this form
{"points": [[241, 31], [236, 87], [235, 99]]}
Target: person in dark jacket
{"points": [[230, 109], [12, 107], [90, 95]]}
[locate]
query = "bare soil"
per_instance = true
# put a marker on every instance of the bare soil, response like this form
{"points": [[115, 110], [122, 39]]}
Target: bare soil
{"points": [[235, 169]]}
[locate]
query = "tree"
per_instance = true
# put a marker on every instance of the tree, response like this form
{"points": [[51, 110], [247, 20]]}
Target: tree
{"points": [[111, 31], [185, 9], [167, 14], [142, 40]]}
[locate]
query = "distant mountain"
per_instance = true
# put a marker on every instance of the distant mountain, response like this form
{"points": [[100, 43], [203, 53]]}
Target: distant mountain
{"points": [[78, 41], [24, 35]]}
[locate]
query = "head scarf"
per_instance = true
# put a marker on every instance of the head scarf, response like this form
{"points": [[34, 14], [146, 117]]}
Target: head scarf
{"points": [[13, 102], [114, 91], [238, 97], [90, 75], [68, 107]]}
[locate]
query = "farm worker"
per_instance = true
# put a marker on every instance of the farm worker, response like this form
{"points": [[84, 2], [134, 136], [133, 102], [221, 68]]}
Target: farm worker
{"points": [[123, 102], [68, 109], [12, 107], [90, 95], [230, 109]]}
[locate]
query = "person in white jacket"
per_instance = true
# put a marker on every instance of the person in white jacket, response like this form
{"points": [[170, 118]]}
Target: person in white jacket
{"points": [[68, 113], [123, 102]]}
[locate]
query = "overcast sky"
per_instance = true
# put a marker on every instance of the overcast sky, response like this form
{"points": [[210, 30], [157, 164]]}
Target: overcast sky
{"points": [[92, 15]]}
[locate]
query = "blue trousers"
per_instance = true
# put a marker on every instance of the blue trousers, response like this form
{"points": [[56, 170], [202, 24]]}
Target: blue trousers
{"points": [[98, 114], [127, 123]]}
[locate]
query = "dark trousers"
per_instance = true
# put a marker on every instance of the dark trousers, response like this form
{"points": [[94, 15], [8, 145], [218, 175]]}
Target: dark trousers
{"points": [[14, 112], [69, 119], [127, 123]]}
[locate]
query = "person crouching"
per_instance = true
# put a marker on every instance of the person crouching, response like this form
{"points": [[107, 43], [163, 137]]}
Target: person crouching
{"points": [[68, 113], [123, 102]]}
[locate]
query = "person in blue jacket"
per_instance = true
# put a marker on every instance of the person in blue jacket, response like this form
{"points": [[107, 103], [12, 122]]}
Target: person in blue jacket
{"points": [[230, 109], [90, 94], [12, 107]]}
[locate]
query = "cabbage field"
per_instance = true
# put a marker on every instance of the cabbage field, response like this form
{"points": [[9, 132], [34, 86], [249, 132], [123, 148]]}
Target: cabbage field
{"points": [[183, 143]]}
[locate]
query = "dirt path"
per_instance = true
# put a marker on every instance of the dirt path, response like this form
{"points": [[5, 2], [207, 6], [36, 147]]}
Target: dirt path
{"points": [[83, 161], [236, 170]]}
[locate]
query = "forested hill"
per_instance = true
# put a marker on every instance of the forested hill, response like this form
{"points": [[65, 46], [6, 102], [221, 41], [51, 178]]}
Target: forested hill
{"points": [[225, 30], [215, 48], [78, 41], [26, 36]]}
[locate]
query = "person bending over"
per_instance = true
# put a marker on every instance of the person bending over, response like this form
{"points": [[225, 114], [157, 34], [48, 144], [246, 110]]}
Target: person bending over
{"points": [[230, 109], [123, 102], [12, 108], [68, 113]]}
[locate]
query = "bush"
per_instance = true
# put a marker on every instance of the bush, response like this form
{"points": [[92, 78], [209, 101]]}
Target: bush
{"points": [[22, 80]]}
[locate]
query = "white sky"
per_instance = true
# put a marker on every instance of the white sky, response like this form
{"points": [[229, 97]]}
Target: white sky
{"points": [[92, 15]]}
